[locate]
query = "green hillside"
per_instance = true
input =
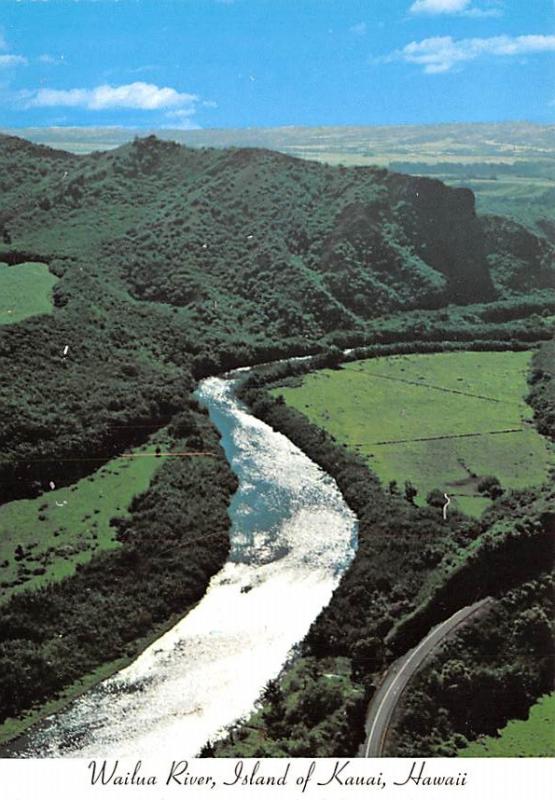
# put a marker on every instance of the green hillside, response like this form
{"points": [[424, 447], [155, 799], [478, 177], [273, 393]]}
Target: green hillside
{"points": [[171, 261], [509, 166]]}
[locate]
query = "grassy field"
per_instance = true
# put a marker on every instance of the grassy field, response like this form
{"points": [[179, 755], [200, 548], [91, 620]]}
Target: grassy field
{"points": [[440, 421], [43, 539], [25, 290], [534, 737]]}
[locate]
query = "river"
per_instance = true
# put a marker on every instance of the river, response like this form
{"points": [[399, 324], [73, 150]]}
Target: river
{"points": [[292, 537]]}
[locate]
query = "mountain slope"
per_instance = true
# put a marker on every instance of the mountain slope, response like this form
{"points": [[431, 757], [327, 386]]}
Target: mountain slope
{"points": [[170, 258], [313, 245]]}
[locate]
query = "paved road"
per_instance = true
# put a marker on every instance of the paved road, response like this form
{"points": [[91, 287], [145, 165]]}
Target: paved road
{"points": [[384, 702]]}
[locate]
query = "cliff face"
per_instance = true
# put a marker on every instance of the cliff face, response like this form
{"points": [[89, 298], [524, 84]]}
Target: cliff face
{"points": [[420, 244], [446, 233]]}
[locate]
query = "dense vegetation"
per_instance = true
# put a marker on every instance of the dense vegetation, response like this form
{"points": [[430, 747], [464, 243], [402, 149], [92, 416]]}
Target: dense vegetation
{"points": [[542, 393], [491, 671], [242, 255], [171, 264]]}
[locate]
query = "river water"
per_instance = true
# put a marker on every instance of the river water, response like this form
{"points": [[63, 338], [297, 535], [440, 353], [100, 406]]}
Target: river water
{"points": [[292, 537]]}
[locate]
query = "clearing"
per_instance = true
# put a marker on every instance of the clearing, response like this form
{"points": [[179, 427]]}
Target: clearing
{"points": [[530, 738], [25, 290], [439, 421], [43, 539]]}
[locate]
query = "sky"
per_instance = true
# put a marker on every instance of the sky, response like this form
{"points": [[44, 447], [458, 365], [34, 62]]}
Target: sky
{"points": [[262, 63]]}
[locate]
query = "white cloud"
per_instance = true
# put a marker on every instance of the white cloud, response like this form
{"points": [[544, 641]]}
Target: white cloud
{"points": [[138, 95], [181, 119], [46, 58], [359, 29], [8, 59], [181, 113], [442, 53], [439, 6], [12, 61], [483, 12], [459, 7]]}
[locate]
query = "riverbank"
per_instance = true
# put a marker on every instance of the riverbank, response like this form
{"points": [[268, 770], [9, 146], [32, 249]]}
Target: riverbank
{"points": [[13, 730], [291, 537]]}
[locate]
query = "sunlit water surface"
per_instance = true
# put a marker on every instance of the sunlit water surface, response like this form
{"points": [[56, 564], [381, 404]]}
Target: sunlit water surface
{"points": [[292, 537]]}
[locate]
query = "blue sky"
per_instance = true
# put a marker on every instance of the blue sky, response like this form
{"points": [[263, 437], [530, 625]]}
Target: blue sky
{"points": [[247, 63]]}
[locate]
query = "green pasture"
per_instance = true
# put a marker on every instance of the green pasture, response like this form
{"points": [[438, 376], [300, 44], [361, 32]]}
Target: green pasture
{"points": [[531, 738], [43, 539], [440, 421], [25, 290]]}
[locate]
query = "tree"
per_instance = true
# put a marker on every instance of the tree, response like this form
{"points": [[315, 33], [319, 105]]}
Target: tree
{"points": [[410, 492], [318, 700], [436, 498], [273, 710], [533, 629], [368, 655], [182, 425], [207, 750], [333, 357], [455, 677], [491, 487]]}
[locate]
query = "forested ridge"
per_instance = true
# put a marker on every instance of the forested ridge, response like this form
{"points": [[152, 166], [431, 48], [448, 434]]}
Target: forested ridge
{"points": [[173, 261], [173, 264]]}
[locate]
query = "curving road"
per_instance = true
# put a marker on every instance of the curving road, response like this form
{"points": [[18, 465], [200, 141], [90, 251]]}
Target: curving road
{"points": [[384, 702]]}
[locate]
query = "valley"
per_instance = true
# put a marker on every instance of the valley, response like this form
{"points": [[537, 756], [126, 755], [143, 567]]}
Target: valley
{"points": [[169, 265]]}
